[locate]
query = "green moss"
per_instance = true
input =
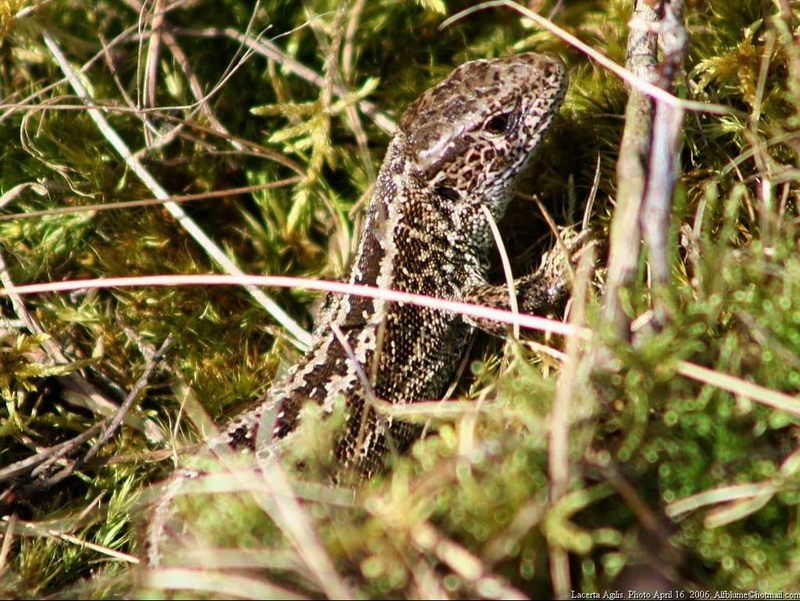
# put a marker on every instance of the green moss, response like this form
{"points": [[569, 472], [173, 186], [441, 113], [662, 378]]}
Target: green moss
{"points": [[466, 512]]}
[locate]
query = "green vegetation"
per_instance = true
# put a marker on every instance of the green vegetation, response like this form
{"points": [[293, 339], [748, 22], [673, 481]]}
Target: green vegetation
{"points": [[669, 467]]}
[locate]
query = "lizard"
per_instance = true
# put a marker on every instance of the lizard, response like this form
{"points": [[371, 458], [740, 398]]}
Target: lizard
{"points": [[453, 163], [459, 147]]}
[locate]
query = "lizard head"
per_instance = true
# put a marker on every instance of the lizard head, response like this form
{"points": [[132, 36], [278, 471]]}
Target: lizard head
{"points": [[472, 134]]}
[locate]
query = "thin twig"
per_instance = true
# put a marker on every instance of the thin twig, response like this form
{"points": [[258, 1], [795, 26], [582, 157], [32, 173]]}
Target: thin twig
{"points": [[147, 202], [152, 362], [97, 402], [46, 456], [105, 429], [470, 310], [626, 236], [663, 169]]}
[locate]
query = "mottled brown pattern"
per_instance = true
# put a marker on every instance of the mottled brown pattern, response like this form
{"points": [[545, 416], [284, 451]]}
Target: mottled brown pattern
{"points": [[459, 146]]}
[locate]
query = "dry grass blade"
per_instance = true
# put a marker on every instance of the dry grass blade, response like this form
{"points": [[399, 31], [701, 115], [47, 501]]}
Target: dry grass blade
{"points": [[509, 275], [628, 76], [562, 419], [296, 524], [299, 337], [723, 494], [760, 394], [226, 584], [679, 456], [21, 528], [463, 563]]}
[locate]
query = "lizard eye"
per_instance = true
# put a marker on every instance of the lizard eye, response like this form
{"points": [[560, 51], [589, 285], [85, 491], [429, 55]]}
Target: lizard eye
{"points": [[499, 124]]}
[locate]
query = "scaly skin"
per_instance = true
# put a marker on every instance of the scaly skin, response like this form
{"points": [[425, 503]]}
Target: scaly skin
{"points": [[459, 147]]}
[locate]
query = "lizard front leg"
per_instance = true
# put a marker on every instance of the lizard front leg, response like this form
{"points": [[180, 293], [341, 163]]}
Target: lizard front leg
{"points": [[540, 293]]}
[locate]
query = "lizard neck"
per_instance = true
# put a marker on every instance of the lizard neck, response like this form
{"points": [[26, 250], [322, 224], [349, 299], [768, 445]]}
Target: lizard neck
{"points": [[410, 229]]}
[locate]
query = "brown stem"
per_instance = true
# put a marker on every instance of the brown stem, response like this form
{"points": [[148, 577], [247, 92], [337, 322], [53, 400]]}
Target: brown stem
{"points": [[626, 236], [663, 169]]}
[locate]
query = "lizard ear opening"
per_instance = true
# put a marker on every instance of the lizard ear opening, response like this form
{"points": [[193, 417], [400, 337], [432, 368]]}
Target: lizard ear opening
{"points": [[448, 193]]}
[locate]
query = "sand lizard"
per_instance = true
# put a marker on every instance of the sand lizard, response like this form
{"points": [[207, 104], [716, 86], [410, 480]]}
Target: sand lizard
{"points": [[458, 147]]}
